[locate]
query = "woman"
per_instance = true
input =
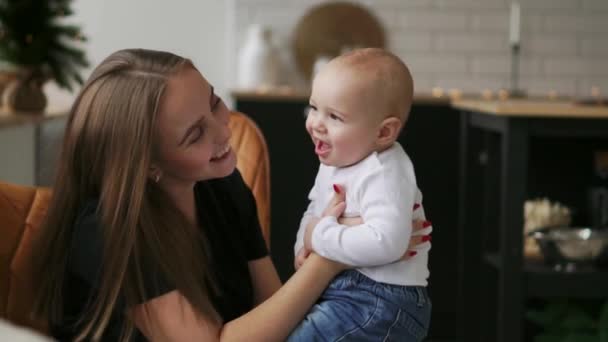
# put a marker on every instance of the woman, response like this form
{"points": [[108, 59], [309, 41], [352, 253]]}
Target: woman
{"points": [[151, 230]]}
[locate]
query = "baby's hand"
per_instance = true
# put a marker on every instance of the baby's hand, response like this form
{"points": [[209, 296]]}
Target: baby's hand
{"points": [[303, 253], [335, 208]]}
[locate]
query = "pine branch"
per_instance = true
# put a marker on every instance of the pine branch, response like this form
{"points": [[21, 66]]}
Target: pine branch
{"points": [[57, 73], [42, 42]]}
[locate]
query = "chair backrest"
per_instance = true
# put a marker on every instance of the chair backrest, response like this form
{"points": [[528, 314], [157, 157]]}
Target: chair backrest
{"points": [[22, 210], [254, 164]]}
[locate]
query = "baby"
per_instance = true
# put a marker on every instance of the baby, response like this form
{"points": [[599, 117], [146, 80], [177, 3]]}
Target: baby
{"points": [[359, 104]]}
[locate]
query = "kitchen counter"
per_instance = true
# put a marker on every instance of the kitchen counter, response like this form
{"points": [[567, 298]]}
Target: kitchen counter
{"points": [[512, 151], [288, 95], [532, 108]]}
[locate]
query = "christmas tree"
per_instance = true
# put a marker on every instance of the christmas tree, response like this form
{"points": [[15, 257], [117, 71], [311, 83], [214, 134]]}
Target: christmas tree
{"points": [[35, 38]]}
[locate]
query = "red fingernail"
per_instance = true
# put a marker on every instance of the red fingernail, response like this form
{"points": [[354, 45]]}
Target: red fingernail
{"points": [[426, 224], [416, 206], [412, 253], [336, 189], [426, 238]]}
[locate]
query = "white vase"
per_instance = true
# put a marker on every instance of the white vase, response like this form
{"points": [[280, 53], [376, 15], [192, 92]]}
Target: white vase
{"points": [[258, 62]]}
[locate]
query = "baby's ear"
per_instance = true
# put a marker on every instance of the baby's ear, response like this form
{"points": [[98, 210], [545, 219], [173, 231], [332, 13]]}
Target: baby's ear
{"points": [[389, 131]]}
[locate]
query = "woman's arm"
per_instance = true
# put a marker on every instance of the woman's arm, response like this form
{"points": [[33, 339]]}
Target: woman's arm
{"points": [[279, 315], [264, 278], [171, 317]]}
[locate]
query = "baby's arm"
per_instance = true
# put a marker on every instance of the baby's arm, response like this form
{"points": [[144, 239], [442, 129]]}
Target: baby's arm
{"points": [[386, 203]]}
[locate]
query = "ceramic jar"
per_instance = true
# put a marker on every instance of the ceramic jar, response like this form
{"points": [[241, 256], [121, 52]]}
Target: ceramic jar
{"points": [[258, 61]]}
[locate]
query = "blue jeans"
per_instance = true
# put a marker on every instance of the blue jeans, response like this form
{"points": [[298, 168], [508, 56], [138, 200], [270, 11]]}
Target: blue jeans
{"points": [[357, 308]]}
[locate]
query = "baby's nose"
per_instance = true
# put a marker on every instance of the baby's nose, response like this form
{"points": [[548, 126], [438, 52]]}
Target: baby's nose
{"points": [[318, 124]]}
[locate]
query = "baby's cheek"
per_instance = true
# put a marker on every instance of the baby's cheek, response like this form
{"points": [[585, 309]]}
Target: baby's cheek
{"points": [[308, 126]]}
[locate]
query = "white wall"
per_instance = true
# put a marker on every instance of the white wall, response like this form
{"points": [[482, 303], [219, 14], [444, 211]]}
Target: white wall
{"points": [[196, 29], [192, 28], [447, 43], [463, 43], [18, 155]]}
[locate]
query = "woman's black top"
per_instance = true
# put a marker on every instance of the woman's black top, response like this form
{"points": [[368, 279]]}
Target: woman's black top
{"points": [[227, 210]]}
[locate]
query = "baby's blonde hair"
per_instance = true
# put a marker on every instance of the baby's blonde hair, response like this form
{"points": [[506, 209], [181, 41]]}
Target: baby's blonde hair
{"points": [[391, 79]]}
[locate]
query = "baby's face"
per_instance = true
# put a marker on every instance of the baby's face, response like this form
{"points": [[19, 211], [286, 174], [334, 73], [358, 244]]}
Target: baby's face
{"points": [[343, 120]]}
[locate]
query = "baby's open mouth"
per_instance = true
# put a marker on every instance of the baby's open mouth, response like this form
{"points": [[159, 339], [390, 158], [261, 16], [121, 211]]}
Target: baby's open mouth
{"points": [[322, 148]]}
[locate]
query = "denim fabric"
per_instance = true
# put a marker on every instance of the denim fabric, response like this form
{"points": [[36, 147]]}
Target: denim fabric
{"points": [[357, 308]]}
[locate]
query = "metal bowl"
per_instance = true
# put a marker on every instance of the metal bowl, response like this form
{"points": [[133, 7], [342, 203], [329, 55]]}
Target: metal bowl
{"points": [[577, 245]]}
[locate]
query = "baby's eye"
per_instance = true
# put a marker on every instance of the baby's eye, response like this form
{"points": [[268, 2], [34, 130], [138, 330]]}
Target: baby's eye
{"points": [[335, 117], [309, 109]]}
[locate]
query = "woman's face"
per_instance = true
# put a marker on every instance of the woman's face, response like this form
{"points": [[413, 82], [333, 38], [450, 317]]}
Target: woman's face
{"points": [[193, 133]]}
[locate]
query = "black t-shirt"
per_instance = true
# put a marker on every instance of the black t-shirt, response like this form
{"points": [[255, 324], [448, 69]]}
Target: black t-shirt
{"points": [[227, 210]]}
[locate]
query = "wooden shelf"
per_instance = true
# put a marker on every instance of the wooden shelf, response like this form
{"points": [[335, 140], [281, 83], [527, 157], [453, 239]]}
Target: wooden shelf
{"points": [[542, 281]]}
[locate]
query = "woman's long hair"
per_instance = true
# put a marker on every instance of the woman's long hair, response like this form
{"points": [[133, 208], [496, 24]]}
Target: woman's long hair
{"points": [[106, 155]]}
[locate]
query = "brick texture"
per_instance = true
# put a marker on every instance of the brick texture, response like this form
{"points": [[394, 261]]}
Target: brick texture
{"points": [[464, 43]]}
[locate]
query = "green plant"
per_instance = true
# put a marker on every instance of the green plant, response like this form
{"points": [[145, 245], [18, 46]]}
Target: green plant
{"points": [[567, 320], [35, 38]]}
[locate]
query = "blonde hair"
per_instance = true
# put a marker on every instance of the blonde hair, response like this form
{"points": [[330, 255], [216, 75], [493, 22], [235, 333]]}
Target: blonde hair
{"points": [[106, 154], [392, 81]]}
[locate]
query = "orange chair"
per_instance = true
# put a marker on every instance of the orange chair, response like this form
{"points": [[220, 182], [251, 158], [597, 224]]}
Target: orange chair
{"points": [[253, 162], [22, 210]]}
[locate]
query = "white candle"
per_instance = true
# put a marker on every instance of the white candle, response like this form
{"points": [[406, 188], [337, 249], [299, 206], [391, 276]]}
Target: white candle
{"points": [[514, 23]]}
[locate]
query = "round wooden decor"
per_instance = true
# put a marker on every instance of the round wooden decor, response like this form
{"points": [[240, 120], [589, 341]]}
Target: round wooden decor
{"points": [[328, 28]]}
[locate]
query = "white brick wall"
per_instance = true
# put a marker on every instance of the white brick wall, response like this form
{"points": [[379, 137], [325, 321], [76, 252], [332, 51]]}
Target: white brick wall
{"points": [[595, 4], [464, 43]]}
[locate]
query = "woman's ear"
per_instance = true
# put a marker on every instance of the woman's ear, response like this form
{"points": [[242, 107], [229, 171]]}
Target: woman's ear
{"points": [[154, 173], [389, 131]]}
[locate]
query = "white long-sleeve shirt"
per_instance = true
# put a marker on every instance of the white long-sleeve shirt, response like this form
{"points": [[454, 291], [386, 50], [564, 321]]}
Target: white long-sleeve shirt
{"points": [[382, 190]]}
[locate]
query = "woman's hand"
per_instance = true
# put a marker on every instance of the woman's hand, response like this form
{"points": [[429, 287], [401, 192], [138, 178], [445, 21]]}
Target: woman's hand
{"points": [[335, 208], [302, 255], [416, 240]]}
